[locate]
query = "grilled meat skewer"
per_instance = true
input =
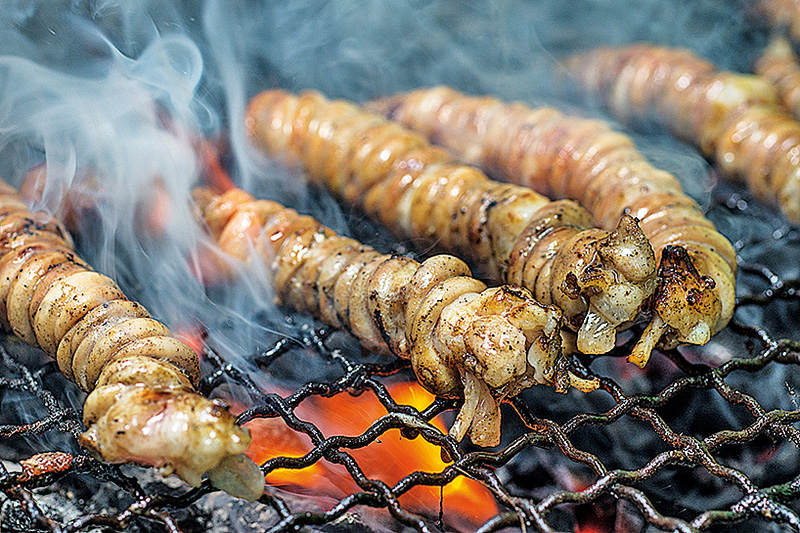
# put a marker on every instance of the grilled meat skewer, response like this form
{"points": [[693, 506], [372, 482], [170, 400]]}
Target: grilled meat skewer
{"points": [[142, 405], [732, 118], [779, 64], [463, 339], [599, 278], [586, 161]]}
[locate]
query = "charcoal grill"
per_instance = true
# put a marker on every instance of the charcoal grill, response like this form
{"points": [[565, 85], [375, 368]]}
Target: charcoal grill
{"points": [[690, 445]]}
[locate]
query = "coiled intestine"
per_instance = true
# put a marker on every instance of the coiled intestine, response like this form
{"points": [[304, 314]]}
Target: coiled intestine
{"points": [[598, 278], [733, 118], [142, 406], [585, 160], [463, 339], [779, 64]]}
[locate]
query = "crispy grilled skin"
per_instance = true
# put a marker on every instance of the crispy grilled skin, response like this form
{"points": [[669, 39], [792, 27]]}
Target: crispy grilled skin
{"points": [[462, 338], [585, 160], [733, 118], [142, 407], [598, 278], [779, 64]]}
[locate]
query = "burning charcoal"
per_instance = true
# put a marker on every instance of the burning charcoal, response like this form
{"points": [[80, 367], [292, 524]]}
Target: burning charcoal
{"points": [[732, 118], [13, 516], [587, 161], [464, 503], [228, 514], [599, 278], [462, 338], [142, 407]]}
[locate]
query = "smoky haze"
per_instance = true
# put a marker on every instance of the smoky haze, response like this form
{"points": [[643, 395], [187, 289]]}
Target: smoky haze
{"points": [[122, 87]]}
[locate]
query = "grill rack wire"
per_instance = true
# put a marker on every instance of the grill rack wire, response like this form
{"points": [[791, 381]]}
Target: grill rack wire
{"points": [[759, 349]]}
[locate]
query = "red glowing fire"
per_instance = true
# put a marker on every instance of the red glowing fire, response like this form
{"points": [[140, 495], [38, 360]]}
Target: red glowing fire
{"points": [[388, 459], [464, 503]]}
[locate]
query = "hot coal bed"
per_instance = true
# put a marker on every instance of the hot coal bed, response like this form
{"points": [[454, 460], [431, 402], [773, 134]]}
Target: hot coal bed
{"points": [[704, 438]]}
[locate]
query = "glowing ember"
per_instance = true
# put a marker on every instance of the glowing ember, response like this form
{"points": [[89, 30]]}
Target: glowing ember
{"points": [[597, 517], [154, 211], [388, 459]]}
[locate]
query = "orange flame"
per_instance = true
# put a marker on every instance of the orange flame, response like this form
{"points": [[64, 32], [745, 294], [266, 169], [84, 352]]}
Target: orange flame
{"points": [[216, 175], [390, 458], [194, 336], [154, 210]]}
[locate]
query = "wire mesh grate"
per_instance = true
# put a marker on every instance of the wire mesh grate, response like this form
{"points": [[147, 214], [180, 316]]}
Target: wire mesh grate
{"points": [[680, 452]]}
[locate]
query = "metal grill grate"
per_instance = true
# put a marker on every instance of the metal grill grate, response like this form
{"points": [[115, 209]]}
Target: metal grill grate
{"points": [[547, 508]]}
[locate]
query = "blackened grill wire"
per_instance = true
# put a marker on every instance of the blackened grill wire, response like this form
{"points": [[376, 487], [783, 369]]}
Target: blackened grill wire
{"points": [[758, 349]]}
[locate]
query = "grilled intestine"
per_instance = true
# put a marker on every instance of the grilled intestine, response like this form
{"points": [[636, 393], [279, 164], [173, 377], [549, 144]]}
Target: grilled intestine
{"points": [[779, 64], [142, 405], [585, 160], [734, 119], [463, 339], [598, 278]]}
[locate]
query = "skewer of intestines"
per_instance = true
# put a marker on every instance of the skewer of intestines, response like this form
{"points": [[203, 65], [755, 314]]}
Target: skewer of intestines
{"points": [[142, 406], [463, 339], [598, 278], [734, 119], [585, 160]]}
